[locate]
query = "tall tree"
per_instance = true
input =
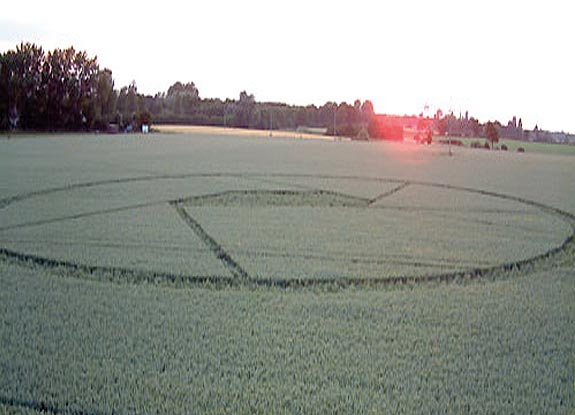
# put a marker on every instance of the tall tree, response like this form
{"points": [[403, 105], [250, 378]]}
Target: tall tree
{"points": [[20, 78], [367, 111], [46, 90], [491, 133], [245, 110], [182, 99], [102, 106], [132, 108]]}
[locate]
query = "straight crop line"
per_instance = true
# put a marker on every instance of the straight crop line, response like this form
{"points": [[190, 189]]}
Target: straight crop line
{"points": [[197, 200], [106, 244], [388, 193], [80, 216], [236, 270], [103, 273], [283, 183], [554, 257], [444, 210], [437, 263], [85, 185]]}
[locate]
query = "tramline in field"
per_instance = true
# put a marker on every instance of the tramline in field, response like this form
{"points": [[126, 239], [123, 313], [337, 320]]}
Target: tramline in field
{"points": [[259, 235], [208, 273]]}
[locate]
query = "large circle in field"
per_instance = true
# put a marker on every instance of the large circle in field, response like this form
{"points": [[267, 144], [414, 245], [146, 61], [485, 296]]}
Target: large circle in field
{"points": [[276, 229]]}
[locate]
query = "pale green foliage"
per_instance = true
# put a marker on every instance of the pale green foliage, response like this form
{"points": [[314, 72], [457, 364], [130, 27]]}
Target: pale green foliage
{"points": [[504, 344], [495, 347]]}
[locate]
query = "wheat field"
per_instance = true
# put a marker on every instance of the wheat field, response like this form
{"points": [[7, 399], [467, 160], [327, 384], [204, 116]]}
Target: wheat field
{"points": [[210, 272]]}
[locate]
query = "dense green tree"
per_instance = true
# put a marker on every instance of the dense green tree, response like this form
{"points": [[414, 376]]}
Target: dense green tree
{"points": [[46, 91], [132, 107], [69, 79], [184, 89], [66, 89], [182, 100], [21, 82], [102, 108]]}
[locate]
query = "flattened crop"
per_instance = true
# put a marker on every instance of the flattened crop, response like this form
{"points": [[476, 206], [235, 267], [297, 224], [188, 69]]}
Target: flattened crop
{"points": [[279, 230]]}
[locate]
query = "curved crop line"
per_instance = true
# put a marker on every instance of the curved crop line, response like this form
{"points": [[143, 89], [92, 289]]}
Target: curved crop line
{"points": [[131, 275], [24, 196], [18, 198], [124, 274], [21, 197], [111, 273], [104, 273], [46, 407]]}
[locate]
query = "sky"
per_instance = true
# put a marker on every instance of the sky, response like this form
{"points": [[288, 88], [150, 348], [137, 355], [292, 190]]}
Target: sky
{"points": [[494, 58]]}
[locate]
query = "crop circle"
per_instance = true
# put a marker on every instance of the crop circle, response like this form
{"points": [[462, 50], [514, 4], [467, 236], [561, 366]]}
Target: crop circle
{"points": [[279, 230]]}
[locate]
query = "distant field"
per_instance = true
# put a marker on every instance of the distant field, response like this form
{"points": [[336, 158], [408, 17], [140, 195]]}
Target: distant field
{"points": [[513, 145], [224, 271], [317, 134], [193, 129]]}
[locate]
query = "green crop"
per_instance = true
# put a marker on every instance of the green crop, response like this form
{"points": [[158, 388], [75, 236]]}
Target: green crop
{"points": [[193, 274]]}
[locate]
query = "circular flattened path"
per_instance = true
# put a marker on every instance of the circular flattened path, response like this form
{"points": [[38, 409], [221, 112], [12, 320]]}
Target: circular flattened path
{"points": [[279, 230]]}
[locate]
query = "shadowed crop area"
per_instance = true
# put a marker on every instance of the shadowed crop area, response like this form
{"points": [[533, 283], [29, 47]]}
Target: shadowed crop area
{"points": [[218, 274]]}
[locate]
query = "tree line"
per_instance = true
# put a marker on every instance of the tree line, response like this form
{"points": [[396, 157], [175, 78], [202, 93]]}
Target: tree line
{"points": [[66, 90], [466, 126], [59, 90]]}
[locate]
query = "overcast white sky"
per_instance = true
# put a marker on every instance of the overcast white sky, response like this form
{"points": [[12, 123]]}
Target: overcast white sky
{"points": [[495, 58]]}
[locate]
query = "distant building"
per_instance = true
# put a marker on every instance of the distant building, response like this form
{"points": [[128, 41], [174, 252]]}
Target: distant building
{"points": [[543, 136]]}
